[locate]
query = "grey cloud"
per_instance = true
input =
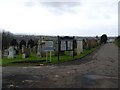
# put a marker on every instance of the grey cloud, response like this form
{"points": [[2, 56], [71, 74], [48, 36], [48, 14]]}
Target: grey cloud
{"points": [[61, 4], [55, 7], [29, 3], [61, 7]]}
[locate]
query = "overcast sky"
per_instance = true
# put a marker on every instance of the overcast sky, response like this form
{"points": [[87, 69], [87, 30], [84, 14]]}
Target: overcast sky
{"points": [[74, 18]]}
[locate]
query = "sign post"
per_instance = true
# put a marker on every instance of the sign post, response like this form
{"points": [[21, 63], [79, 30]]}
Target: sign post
{"points": [[50, 56], [48, 47], [46, 56]]}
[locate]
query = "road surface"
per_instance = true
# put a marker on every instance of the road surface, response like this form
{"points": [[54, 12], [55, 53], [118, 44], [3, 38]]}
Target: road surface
{"points": [[97, 70]]}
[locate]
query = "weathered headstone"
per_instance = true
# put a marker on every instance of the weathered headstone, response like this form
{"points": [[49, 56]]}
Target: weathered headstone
{"points": [[39, 48], [16, 49], [26, 53], [23, 55], [71, 53], [79, 47], [5, 53], [92, 43], [29, 48], [23, 48], [11, 52], [34, 50], [0, 54], [43, 53]]}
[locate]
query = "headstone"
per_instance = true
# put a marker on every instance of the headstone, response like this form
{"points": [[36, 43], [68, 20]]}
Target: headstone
{"points": [[43, 54], [85, 44], [16, 49], [71, 53], [23, 48], [23, 55], [26, 53], [5, 54], [33, 50], [39, 48], [79, 47], [29, 48], [92, 43], [11, 52], [0, 54]]}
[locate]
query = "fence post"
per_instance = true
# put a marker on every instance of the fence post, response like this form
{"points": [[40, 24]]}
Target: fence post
{"points": [[58, 47], [73, 47]]}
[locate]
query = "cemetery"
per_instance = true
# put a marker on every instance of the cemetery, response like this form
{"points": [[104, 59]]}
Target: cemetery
{"points": [[47, 50]]}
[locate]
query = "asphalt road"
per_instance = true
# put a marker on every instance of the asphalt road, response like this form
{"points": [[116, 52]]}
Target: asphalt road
{"points": [[97, 70]]}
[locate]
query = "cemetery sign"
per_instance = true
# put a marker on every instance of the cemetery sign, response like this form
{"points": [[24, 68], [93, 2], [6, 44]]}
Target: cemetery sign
{"points": [[63, 45], [48, 46], [66, 44]]}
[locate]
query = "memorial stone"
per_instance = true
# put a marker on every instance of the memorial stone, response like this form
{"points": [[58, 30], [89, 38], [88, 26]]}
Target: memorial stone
{"points": [[79, 47], [11, 51]]}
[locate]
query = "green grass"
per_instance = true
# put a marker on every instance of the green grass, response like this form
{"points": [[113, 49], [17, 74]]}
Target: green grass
{"points": [[117, 42], [64, 58], [86, 52], [6, 61]]}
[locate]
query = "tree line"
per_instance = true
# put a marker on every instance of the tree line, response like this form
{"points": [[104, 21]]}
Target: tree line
{"points": [[9, 39]]}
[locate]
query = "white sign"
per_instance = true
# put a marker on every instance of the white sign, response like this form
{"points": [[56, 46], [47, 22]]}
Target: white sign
{"points": [[63, 45], [70, 45], [48, 46]]}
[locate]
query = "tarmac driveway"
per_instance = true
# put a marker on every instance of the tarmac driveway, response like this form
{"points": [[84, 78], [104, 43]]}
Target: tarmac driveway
{"points": [[97, 70]]}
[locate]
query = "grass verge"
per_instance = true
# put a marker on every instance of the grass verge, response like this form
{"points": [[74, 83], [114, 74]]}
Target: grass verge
{"points": [[38, 60]]}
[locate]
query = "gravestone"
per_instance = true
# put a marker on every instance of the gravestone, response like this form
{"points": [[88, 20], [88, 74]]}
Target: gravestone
{"points": [[0, 54], [16, 49], [29, 48], [23, 48], [23, 55], [79, 47], [25, 52], [71, 53], [11, 53], [39, 48], [43, 53], [91, 43], [5, 53], [33, 50]]}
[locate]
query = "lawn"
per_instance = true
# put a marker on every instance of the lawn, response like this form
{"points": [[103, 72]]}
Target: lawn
{"points": [[34, 60], [117, 42]]}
